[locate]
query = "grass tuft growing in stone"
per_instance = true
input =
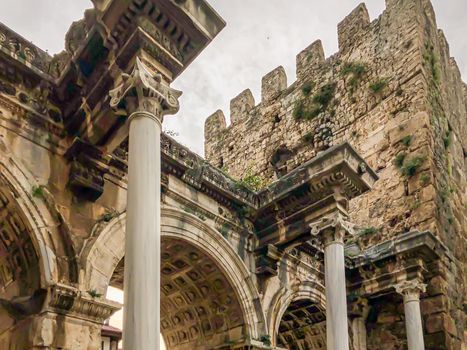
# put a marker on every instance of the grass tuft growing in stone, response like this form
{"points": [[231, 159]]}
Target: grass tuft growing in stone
{"points": [[399, 161], [368, 231], [307, 87], [425, 179], [378, 85], [357, 70], [447, 139], [432, 61], [251, 182], [406, 141], [410, 166], [308, 138], [299, 111], [324, 96], [37, 191]]}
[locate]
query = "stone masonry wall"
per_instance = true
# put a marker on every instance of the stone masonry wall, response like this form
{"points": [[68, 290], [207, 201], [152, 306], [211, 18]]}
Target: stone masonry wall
{"points": [[395, 94]]}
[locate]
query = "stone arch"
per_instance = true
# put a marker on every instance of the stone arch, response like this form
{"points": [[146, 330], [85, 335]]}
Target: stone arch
{"points": [[31, 230], [311, 291], [106, 253]]}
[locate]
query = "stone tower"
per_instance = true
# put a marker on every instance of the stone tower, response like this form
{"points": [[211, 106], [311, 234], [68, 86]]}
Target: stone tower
{"points": [[394, 93]]}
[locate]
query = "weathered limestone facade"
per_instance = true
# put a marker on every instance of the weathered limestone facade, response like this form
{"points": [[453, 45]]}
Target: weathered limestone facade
{"points": [[244, 263]]}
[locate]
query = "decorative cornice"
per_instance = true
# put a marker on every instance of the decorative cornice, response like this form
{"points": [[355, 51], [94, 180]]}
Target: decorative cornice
{"points": [[70, 301], [141, 92], [24, 52]]}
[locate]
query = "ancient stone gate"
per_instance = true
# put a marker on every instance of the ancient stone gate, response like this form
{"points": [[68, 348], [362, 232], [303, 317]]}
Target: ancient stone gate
{"points": [[362, 204]]}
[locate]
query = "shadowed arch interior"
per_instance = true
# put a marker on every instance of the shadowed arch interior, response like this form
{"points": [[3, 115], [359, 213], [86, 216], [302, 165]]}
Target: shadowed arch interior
{"points": [[199, 306], [303, 326], [19, 263]]}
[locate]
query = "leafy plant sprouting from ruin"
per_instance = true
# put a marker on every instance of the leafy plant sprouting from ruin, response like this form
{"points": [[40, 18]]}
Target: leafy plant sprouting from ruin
{"points": [[407, 140], [432, 61], [410, 166], [37, 191], [251, 181], [378, 85], [310, 109], [356, 70]]}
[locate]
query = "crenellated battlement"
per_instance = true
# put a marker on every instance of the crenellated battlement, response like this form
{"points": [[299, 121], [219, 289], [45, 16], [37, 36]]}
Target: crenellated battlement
{"points": [[273, 84], [392, 91], [388, 52], [310, 59], [353, 27], [241, 105]]}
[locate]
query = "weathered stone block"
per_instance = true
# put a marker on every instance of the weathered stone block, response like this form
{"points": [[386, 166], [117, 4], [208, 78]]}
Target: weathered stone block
{"points": [[241, 105], [273, 84], [309, 58], [352, 27], [440, 322], [435, 304]]}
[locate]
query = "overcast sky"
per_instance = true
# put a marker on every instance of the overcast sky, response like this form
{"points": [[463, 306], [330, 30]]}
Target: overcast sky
{"points": [[260, 35]]}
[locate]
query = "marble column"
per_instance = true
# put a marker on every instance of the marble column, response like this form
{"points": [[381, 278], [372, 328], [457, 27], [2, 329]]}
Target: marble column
{"points": [[147, 99], [410, 291], [333, 229]]}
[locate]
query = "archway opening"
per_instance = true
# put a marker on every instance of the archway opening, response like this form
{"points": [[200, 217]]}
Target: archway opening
{"points": [[199, 306], [303, 326]]}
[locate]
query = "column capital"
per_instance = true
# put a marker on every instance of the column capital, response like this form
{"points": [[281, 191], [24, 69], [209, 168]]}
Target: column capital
{"points": [[142, 92], [410, 289], [333, 227]]}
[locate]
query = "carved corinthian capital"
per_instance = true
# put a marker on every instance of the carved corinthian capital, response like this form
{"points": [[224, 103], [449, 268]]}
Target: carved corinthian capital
{"points": [[333, 227], [410, 290], [143, 92]]}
